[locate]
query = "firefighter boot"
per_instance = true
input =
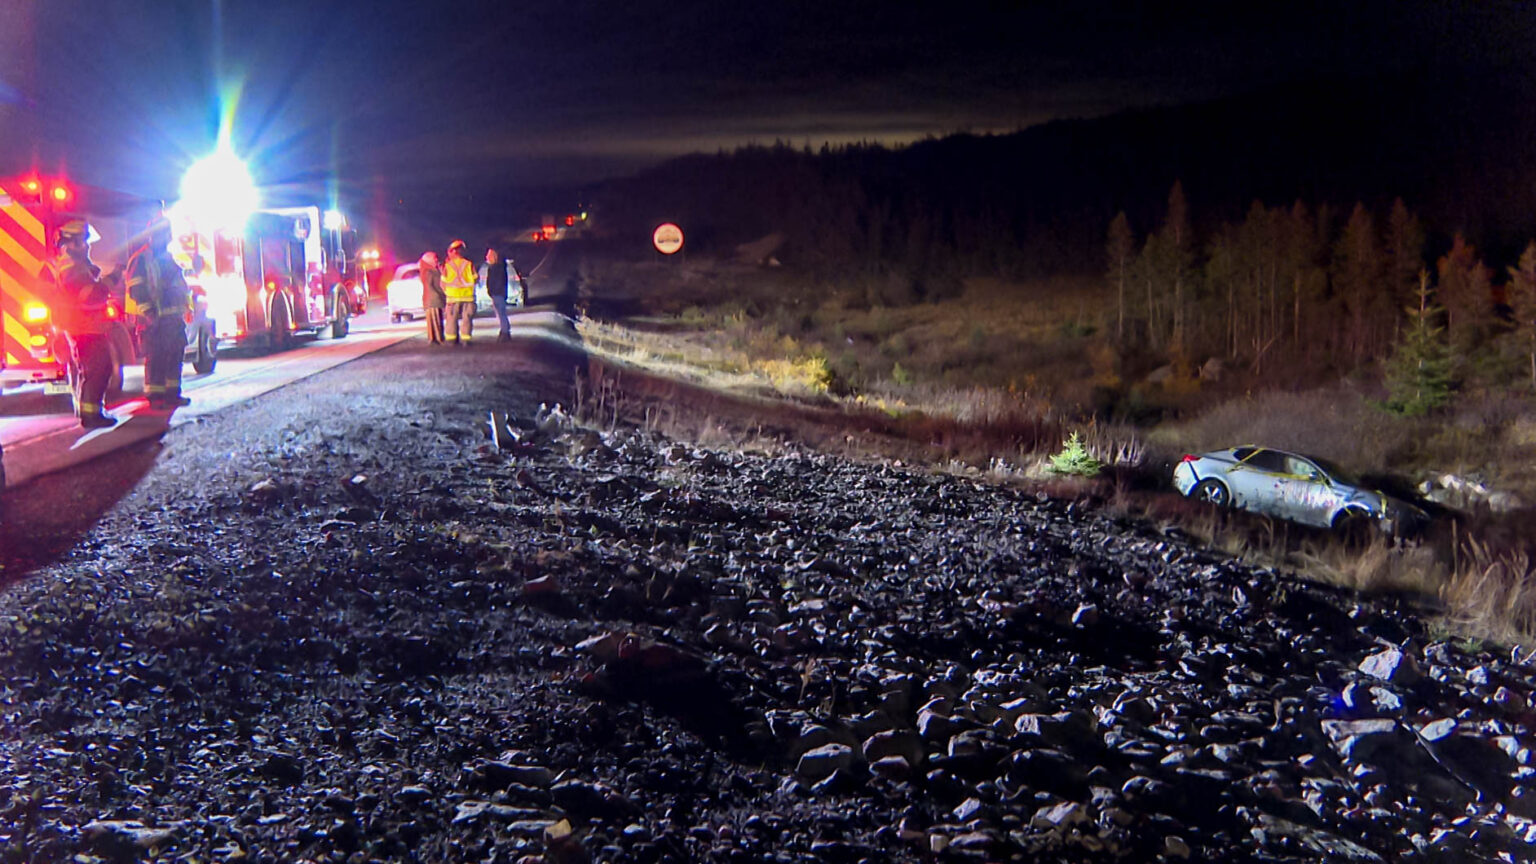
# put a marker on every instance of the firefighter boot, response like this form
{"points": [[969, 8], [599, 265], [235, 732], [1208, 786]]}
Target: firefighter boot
{"points": [[96, 420]]}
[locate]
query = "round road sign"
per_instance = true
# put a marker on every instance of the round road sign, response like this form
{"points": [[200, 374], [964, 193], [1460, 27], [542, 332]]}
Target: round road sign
{"points": [[668, 238]]}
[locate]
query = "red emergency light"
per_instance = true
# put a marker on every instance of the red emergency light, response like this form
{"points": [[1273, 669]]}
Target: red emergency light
{"points": [[31, 186], [60, 193], [570, 220]]}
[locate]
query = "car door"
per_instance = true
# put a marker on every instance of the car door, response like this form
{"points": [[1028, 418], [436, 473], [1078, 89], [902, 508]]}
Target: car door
{"points": [[1255, 481], [1305, 493]]}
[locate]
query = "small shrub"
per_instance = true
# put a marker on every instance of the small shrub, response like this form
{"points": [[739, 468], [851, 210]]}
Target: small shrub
{"points": [[1077, 329], [977, 338], [900, 375], [1075, 459], [896, 346], [808, 374]]}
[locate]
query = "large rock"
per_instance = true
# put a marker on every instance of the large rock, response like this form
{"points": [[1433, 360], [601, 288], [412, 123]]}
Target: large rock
{"points": [[820, 762], [1391, 665], [1366, 740]]}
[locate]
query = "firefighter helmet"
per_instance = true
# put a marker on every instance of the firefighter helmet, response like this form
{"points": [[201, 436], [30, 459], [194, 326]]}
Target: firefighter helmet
{"points": [[74, 229], [158, 230], [458, 245]]}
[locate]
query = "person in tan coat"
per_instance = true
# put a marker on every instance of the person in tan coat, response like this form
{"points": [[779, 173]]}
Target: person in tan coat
{"points": [[433, 299]]}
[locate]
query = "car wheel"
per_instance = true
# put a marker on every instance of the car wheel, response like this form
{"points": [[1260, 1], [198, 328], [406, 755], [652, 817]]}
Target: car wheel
{"points": [[207, 356], [1353, 527], [1213, 491]]}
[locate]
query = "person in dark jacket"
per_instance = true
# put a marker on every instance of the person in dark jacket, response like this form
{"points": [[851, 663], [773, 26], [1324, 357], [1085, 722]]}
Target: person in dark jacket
{"points": [[496, 287], [157, 286], [433, 299]]}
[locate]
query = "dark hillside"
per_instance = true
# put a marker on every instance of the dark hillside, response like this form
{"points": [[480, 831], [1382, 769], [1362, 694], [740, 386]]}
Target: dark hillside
{"points": [[1454, 146]]}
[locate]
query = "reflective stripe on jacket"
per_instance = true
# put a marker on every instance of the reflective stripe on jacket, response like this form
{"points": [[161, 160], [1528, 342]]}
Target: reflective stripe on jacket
{"points": [[155, 283], [81, 300], [459, 280]]}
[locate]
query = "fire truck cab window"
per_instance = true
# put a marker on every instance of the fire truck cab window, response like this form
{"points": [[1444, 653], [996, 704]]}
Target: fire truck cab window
{"points": [[274, 258]]}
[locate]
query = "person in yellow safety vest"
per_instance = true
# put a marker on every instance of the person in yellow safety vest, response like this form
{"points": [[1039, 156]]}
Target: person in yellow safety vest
{"points": [[459, 284], [84, 311], [155, 283]]}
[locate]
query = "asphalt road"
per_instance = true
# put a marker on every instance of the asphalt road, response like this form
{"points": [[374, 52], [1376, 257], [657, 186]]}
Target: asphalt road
{"points": [[40, 435], [60, 479]]}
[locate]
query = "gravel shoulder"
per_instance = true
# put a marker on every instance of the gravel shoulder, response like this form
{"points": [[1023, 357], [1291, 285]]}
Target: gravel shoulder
{"points": [[340, 624]]}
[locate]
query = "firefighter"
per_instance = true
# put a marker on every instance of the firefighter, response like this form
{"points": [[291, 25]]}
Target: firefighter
{"points": [[459, 284], [155, 283], [85, 313]]}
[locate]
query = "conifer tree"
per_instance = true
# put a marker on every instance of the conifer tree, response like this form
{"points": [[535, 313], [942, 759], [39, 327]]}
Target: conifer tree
{"points": [[1419, 372], [1466, 292], [1122, 245], [1358, 283], [1522, 301], [1405, 253], [1180, 258], [1303, 244]]}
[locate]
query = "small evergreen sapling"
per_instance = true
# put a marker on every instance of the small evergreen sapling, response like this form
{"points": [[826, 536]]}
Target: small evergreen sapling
{"points": [[1419, 371], [1074, 458]]}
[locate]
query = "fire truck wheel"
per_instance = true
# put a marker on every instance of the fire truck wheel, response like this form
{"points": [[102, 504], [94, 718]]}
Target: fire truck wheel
{"points": [[341, 325], [72, 375], [121, 346], [279, 334], [207, 356]]}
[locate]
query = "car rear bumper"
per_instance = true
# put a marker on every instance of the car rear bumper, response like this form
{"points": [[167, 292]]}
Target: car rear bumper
{"points": [[1184, 478]]}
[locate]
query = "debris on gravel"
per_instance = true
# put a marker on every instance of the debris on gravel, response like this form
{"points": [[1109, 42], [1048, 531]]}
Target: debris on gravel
{"points": [[402, 633]]}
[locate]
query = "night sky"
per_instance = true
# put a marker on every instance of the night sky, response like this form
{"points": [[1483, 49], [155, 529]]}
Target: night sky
{"points": [[435, 100]]}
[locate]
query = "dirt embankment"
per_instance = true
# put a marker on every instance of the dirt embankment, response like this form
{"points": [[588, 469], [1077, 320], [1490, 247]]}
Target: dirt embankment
{"points": [[339, 624]]}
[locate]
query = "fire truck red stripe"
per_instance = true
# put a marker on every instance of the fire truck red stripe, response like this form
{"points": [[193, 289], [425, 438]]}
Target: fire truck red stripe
{"points": [[17, 272], [31, 243]]}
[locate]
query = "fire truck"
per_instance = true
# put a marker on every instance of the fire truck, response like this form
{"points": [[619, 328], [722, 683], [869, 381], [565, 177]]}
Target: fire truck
{"points": [[285, 272], [32, 349]]}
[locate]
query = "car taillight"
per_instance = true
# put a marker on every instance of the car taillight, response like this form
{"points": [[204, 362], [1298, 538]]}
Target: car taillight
{"points": [[1189, 458]]}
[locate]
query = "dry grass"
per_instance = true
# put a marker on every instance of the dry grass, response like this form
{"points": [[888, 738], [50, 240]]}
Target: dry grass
{"points": [[996, 378], [1492, 593], [1338, 423]]}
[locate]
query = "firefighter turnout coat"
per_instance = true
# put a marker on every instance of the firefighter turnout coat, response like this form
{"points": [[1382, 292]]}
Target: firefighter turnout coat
{"points": [[459, 280]]}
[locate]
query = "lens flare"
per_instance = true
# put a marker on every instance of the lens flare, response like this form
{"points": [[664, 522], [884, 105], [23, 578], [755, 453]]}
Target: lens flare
{"points": [[217, 192]]}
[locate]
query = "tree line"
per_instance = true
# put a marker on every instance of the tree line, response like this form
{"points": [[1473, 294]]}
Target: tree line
{"points": [[1288, 285]]}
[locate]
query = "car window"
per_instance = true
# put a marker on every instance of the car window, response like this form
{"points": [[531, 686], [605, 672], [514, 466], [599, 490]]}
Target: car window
{"points": [[408, 273], [1242, 453], [1299, 466], [1267, 460]]}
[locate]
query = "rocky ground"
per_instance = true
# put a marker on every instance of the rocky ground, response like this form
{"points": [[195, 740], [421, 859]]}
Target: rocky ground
{"points": [[345, 624]]}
